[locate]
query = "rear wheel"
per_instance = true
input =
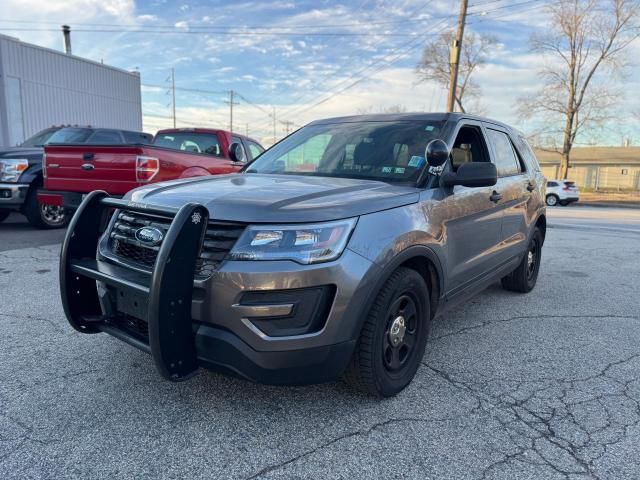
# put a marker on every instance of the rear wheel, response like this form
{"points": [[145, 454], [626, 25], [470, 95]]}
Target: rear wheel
{"points": [[4, 214], [43, 216], [564, 203], [552, 200], [393, 338], [524, 278]]}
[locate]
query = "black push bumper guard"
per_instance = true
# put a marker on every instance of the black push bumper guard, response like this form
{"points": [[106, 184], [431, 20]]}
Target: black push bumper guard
{"points": [[168, 291]]}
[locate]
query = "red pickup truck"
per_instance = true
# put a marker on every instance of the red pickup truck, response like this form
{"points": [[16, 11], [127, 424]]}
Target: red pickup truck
{"points": [[70, 171]]}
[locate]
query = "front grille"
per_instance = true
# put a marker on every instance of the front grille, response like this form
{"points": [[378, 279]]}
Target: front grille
{"points": [[218, 241], [137, 327]]}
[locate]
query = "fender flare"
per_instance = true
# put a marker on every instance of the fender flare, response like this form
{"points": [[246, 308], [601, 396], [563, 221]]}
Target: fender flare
{"points": [[386, 270], [194, 172]]}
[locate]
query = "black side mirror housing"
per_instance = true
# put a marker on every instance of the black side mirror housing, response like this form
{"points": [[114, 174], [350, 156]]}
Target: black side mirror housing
{"points": [[472, 174], [236, 152]]}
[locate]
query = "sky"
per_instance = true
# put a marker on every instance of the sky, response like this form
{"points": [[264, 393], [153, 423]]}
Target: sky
{"points": [[303, 59]]}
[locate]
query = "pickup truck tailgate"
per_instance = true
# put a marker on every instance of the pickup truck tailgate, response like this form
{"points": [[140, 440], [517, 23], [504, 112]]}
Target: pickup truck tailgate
{"points": [[83, 168]]}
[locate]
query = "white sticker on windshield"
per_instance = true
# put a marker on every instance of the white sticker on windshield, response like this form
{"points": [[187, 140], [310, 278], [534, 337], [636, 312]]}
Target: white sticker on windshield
{"points": [[399, 170], [387, 169]]}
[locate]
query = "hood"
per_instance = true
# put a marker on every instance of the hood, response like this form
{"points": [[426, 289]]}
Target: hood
{"points": [[30, 153], [256, 198]]}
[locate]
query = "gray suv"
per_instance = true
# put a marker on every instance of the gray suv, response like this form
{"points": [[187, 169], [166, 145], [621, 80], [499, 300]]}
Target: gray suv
{"points": [[327, 256]]}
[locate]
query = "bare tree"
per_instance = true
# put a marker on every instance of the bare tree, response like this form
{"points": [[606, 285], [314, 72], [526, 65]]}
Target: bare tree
{"points": [[582, 48], [435, 66]]}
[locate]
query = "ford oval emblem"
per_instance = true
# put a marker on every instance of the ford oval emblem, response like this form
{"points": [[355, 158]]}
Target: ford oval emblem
{"points": [[149, 235]]}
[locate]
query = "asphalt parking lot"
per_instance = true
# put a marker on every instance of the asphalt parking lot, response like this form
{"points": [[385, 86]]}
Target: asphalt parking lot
{"points": [[540, 386]]}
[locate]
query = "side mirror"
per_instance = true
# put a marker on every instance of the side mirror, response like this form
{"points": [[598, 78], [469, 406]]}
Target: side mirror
{"points": [[472, 174], [437, 153], [236, 152]]}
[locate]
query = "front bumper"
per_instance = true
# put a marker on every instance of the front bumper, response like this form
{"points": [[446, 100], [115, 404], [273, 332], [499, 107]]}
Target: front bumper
{"points": [[13, 195], [219, 323]]}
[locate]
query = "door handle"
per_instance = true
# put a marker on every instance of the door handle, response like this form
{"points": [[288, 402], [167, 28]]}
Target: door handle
{"points": [[87, 156], [88, 166], [495, 197], [530, 186]]}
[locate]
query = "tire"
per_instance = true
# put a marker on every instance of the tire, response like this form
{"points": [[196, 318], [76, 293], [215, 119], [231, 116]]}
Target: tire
{"points": [[389, 350], [523, 279], [43, 216], [564, 203], [552, 200], [4, 214]]}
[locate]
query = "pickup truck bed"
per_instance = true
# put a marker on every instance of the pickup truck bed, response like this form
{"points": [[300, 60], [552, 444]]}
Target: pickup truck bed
{"points": [[73, 170]]}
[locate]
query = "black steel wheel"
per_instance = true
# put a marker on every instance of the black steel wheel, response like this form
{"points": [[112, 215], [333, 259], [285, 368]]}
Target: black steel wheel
{"points": [[394, 336], [523, 279]]}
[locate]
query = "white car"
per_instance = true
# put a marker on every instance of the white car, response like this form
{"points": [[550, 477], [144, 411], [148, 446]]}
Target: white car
{"points": [[561, 191]]}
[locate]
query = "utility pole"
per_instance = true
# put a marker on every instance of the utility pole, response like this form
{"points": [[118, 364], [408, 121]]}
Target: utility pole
{"points": [[231, 104], [287, 124], [173, 90], [454, 56], [274, 124]]}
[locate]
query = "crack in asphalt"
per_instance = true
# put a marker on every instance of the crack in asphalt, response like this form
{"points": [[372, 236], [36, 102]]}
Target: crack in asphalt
{"points": [[345, 436], [526, 317], [536, 433], [53, 324]]}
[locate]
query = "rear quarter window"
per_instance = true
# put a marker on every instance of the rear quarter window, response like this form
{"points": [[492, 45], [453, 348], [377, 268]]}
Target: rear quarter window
{"points": [[526, 152], [506, 159]]}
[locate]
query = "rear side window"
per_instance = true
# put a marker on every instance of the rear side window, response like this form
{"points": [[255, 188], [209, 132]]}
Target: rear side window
{"points": [[204, 143], [552, 184], [254, 149], [105, 137], [137, 137], [506, 160]]}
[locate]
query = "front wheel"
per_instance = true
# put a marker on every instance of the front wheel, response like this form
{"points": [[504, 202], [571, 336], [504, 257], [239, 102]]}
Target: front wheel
{"points": [[393, 338], [44, 216], [524, 278]]}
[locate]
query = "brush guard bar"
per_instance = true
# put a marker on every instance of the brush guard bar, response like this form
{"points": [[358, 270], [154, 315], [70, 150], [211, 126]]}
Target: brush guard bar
{"points": [[168, 290]]}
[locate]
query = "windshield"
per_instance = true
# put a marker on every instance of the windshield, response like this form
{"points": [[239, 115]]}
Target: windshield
{"points": [[39, 139], [386, 151], [206, 143]]}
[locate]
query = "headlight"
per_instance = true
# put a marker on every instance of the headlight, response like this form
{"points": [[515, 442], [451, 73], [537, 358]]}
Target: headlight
{"points": [[310, 243], [12, 168]]}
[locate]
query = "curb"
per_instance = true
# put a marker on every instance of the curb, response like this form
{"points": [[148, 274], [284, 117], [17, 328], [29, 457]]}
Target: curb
{"points": [[605, 204]]}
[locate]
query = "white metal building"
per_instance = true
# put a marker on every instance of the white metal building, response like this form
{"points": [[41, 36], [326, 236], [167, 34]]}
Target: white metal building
{"points": [[40, 87]]}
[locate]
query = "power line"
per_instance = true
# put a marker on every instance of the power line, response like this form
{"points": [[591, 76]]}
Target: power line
{"points": [[184, 89], [369, 75], [480, 19], [410, 45], [502, 7], [221, 32], [362, 23]]}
